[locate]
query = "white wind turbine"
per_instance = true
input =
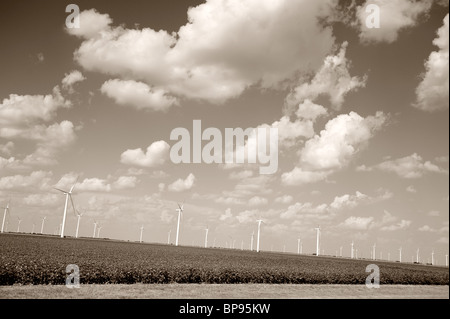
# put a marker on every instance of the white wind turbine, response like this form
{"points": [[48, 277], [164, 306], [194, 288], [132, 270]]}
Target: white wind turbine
{"points": [[78, 223], [318, 241], [251, 241], [259, 221], [68, 195], [180, 211], [352, 253], [206, 237], [298, 245], [340, 251], [432, 257], [18, 225], [142, 230], [42, 226], [417, 255], [400, 254], [4, 216], [168, 237], [374, 256], [98, 231], [95, 228]]}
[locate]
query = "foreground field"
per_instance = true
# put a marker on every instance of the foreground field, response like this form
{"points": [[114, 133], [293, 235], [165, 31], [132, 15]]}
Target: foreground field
{"points": [[40, 260], [215, 291]]}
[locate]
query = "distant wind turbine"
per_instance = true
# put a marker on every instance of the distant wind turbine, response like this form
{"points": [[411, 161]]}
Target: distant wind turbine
{"points": [[298, 245], [251, 241], [432, 257], [400, 254], [318, 241], [68, 195], [446, 260], [18, 225], [259, 221], [417, 255], [206, 237], [142, 230], [95, 228], [4, 216], [78, 223], [168, 237], [42, 226], [98, 231], [180, 211], [352, 251], [340, 251], [374, 255]]}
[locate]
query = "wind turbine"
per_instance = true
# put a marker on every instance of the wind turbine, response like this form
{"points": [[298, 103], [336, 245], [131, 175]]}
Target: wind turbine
{"points": [[340, 251], [353, 250], [400, 254], [374, 256], [168, 237], [78, 223], [259, 221], [95, 228], [206, 237], [18, 225], [4, 215], [298, 245], [142, 230], [251, 241], [417, 255], [318, 241], [42, 226], [68, 194], [98, 231], [432, 257], [180, 211]]}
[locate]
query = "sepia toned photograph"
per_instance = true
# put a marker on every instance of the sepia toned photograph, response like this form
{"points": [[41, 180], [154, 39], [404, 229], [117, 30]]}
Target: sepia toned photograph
{"points": [[237, 151]]}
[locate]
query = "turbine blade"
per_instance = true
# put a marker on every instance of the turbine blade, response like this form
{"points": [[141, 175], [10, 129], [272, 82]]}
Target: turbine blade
{"points": [[71, 189], [73, 206], [65, 192]]}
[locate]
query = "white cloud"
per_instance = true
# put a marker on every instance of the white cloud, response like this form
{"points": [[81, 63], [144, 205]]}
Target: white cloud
{"points": [[227, 215], [432, 92], [403, 224], [125, 182], [348, 201], [241, 175], [257, 201], [333, 79], [181, 185], [7, 148], [395, 16], [36, 180], [42, 200], [412, 166], [213, 59], [72, 78], [426, 228], [335, 147], [156, 155], [357, 223], [285, 199], [93, 185], [92, 24], [138, 95], [411, 189]]}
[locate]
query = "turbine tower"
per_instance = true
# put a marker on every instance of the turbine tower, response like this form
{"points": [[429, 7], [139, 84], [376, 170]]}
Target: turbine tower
{"points": [[417, 255], [95, 229], [180, 211], [374, 256], [4, 216], [18, 225], [340, 251], [206, 237], [42, 226], [142, 230], [78, 223], [400, 254], [68, 195], [168, 237], [98, 231], [298, 246], [259, 221], [432, 257], [352, 252], [318, 241], [251, 241]]}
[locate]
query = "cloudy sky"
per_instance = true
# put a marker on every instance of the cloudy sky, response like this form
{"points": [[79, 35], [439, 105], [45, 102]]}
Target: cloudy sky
{"points": [[362, 118]]}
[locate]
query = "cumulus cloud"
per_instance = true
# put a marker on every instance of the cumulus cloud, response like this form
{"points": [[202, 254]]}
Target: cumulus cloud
{"points": [[395, 16], [36, 180], [241, 175], [332, 79], [335, 147], [401, 225], [138, 95], [412, 166], [157, 153], [72, 78], [92, 24], [246, 43], [257, 201], [285, 199], [432, 92], [125, 182], [357, 223], [227, 215], [7, 148], [181, 185]]}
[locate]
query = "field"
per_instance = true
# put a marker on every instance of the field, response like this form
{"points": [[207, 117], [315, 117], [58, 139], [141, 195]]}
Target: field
{"points": [[42, 260]]}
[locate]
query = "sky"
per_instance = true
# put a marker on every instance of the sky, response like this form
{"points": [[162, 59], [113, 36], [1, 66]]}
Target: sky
{"points": [[361, 115]]}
